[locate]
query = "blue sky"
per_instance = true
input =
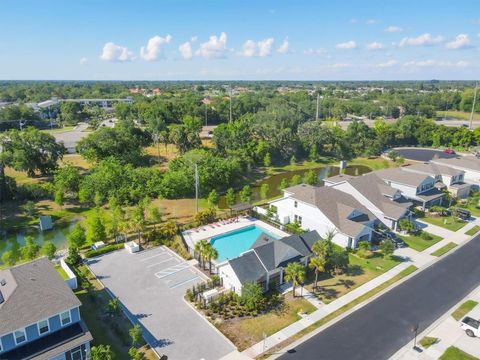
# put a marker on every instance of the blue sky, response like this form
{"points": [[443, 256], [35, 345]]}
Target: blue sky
{"points": [[246, 40]]}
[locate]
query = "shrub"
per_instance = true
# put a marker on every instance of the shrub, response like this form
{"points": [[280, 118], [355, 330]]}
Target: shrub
{"points": [[406, 225], [205, 217], [104, 250], [425, 235]]}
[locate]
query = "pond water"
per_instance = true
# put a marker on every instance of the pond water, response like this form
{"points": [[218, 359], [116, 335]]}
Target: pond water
{"points": [[58, 235], [275, 180]]}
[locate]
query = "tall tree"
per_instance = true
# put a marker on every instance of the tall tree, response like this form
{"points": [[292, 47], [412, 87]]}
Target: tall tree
{"points": [[295, 272]]}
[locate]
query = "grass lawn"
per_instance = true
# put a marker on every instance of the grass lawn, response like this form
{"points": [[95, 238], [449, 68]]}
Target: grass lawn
{"points": [[59, 130], [105, 329], [464, 309], [447, 222], [409, 270], [428, 341], [417, 243], [453, 353], [245, 332], [375, 163], [62, 272], [473, 230], [444, 249], [360, 271]]}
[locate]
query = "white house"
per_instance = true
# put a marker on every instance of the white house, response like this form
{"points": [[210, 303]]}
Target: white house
{"points": [[445, 176], [265, 261], [385, 202], [469, 164], [326, 209], [419, 188]]}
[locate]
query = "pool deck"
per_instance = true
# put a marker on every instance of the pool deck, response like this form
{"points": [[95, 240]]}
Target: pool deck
{"points": [[192, 236]]}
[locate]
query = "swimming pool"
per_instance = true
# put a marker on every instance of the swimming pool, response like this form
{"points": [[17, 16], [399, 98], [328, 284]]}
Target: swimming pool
{"points": [[232, 244]]}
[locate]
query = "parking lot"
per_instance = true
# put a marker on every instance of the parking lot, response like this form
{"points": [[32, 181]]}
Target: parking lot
{"points": [[151, 285], [423, 155]]}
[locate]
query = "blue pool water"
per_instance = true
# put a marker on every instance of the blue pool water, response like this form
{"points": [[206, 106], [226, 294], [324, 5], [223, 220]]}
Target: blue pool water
{"points": [[232, 244]]}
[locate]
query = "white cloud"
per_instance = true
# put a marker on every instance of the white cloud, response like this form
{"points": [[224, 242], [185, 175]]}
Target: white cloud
{"points": [[388, 63], [430, 63], [393, 29], [375, 46], [420, 63], [154, 49], [283, 49], [214, 48], [83, 61], [461, 41], [372, 21], [312, 51], [114, 52], [194, 38], [347, 45], [422, 40], [186, 50], [261, 48]]}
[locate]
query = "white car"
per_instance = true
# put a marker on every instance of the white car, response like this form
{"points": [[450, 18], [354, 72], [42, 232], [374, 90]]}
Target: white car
{"points": [[471, 326]]}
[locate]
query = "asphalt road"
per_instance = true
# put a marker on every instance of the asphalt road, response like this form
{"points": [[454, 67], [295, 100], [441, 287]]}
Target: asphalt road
{"points": [[423, 155], [382, 327]]}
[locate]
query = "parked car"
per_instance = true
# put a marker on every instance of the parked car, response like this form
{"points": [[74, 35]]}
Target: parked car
{"points": [[399, 243], [471, 326], [449, 151], [463, 214]]}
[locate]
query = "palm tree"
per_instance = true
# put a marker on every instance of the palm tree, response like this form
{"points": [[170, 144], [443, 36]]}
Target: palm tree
{"points": [[317, 263], [295, 272], [200, 248], [324, 247], [210, 254]]}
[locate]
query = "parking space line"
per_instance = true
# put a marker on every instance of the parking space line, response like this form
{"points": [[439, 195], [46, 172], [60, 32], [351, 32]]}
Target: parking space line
{"points": [[163, 261], [154, 256], [184, 282], [172, 270]]}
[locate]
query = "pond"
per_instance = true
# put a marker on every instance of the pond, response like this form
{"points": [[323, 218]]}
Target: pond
{"points": [[58, 235], [275, 180]]}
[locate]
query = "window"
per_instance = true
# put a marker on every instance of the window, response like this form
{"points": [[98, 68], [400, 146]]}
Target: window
{"points": [[298, 219], [20, 336], [1, 348], [43, 327], [65, 318], [295, 204]]}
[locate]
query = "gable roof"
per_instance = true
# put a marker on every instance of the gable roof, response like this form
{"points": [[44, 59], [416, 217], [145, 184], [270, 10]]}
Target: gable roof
{"points": [[247, 267], [433, 169], [338, 178], [464, 162], [402, 177], [33, 291], [262, 240], [276, 253], [336, 205], [379, 194]]}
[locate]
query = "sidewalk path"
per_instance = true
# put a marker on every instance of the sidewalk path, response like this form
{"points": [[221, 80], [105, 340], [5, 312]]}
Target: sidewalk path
{"points": [[419, 259]]}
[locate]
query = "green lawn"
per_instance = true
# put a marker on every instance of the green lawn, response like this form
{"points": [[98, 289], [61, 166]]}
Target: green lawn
{"points": [[464, 309], [444, 249], [473, 230], [447, 222], [473, 208], [453, 353], [417, 243], [428, 341]]}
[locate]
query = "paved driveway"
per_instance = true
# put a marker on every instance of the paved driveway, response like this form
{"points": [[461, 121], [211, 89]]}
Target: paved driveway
{"points": [[151, 285], [422, 155], [380, 328]]}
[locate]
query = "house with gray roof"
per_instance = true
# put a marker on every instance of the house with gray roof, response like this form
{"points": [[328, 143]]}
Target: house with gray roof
{"points": [[326, 209], [417, 187], [385, 202], [265, 261], [469, 164], [40, 315]]}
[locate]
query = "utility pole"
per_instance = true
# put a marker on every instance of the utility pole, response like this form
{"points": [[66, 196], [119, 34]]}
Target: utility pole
{"points": [[473, 106], [318, 106], [230, 104], [196, 189], [206, 122]]}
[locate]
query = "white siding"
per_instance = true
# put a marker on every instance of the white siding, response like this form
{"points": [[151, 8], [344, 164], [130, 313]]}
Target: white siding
{"points": [[229, 278]]}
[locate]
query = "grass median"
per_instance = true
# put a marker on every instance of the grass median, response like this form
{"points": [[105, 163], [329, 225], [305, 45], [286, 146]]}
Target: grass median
{"points": [[464, 309], [444, 249]]}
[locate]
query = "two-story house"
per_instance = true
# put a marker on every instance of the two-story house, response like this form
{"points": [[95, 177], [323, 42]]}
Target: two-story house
{"points": [[40, 315], [326, 210], [469, 164], [385, 202], [418, 188], [451, 178], [265, 261]]}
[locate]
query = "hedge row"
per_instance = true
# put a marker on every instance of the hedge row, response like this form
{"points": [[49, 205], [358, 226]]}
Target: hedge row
{"points": [[104, 250]]}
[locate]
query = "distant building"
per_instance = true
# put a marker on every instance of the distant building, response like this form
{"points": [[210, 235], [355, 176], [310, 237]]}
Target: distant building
{"points": [[40, 315]]}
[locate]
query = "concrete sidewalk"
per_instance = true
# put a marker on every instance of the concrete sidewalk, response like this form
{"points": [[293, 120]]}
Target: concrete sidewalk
{"points": [[420, 259]]}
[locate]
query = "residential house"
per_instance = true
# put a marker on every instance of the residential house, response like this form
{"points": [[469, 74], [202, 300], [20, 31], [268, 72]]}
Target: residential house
{"points": [[326, 209], [39, 315], [445, 177], [469, 164], [265, 261], [417, 187], [385, 202]]}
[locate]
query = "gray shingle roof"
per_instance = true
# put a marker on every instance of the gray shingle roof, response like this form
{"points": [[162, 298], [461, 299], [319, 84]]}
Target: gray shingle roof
{"points": [[336, 205], [465, 162], [276, 253], [433, 169], [338, 178], [248, 267], [403, 177], [34, 291]]}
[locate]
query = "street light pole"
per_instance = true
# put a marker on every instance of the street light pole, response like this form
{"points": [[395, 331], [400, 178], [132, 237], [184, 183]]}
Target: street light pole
{"points": [[473, 106]]}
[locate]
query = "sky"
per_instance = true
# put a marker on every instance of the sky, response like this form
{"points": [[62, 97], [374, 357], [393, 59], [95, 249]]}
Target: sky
{"points": [[239, 40]]}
